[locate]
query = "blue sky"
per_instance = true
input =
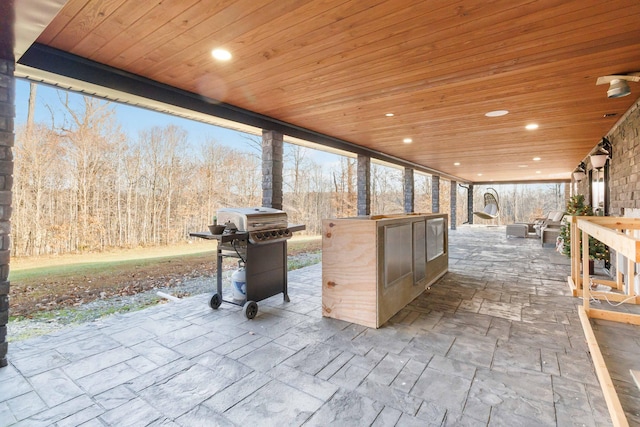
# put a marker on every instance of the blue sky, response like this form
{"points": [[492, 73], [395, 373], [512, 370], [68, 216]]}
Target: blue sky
{"points": [[134, 119]]}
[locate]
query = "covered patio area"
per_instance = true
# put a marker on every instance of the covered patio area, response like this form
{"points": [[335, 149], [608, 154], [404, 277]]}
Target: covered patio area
{"points": [[497, 341]]}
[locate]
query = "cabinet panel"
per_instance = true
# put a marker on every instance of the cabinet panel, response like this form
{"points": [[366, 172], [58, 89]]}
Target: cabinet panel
{"points": [[397, 253], [349, 271], [419, 252], [435, 238]]}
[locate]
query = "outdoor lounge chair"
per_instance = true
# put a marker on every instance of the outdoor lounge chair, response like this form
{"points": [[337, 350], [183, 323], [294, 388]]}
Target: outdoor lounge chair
{"points": [[549, 234], [549, 229], [491, 208], [553, 219]]}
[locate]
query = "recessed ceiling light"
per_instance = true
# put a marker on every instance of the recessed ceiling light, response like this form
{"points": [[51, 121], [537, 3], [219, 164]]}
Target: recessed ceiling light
{"points": [[407, 140], [479, 174], [221, 54], [523, 166], [389, 114], [536, 159], [538, 172], [531, 126], [496, 113], [456, 164]]}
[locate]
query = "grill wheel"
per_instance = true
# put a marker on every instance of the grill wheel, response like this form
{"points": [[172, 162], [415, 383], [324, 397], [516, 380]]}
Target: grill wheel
{"points": [[250, 309]]}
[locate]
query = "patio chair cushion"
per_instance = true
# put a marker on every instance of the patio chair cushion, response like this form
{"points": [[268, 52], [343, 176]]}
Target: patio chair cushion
{"points": [[557, 216]]}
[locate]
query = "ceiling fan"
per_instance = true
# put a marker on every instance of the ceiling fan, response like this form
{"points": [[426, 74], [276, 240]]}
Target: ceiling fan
{"points": [[618, 86]]}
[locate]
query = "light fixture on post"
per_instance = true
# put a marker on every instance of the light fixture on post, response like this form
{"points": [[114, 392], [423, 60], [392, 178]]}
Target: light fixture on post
{"points": [[618, 86]]}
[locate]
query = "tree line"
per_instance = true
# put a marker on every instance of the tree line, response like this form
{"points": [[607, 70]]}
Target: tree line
{"points": [[83, 184]]}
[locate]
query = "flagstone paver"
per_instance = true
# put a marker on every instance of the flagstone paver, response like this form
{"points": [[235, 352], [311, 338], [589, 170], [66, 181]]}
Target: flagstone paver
{"points": [[496, 342]]}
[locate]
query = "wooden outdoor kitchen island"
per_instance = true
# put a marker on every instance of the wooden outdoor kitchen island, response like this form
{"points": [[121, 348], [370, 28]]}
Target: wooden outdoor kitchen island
{"points": [[373, 266]]}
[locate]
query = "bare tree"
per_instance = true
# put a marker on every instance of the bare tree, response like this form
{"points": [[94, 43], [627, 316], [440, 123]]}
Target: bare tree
{"points": [[38, 150], [89, 134], [81, 184], [344, 185], [386, 189]]}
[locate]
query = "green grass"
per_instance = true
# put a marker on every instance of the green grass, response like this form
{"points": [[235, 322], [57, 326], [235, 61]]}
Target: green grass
{"points": [[75, 265], [94, 267]]}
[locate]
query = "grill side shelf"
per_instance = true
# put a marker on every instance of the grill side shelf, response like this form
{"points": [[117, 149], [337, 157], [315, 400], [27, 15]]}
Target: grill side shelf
{"points": [[222, 238]]}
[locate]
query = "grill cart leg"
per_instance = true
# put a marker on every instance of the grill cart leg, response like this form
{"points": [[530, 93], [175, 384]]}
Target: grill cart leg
{"points": [[285, 285], [216, 299]]}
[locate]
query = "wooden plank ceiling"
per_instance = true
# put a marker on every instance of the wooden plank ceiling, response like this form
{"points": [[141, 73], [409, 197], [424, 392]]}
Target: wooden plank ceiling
{"points": [[338, 67]]}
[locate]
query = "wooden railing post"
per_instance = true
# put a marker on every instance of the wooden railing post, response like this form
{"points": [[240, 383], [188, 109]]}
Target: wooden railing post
{"points": [[575, 253], [586, 294]]}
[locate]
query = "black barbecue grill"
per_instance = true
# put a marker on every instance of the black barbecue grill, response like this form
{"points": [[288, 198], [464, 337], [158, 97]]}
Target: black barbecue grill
{"points": [[258, 237]]}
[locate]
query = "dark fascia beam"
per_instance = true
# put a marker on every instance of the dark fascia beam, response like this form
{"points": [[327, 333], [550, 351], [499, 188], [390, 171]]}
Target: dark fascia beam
{"points": [[7, 23], [62, 63]]}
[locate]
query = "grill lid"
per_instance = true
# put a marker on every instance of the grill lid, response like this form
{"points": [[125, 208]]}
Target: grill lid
{"points": [[253, 219]]}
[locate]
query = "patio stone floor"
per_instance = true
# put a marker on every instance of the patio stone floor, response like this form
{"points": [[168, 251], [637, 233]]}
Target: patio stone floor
{"points": [[496, 342]]}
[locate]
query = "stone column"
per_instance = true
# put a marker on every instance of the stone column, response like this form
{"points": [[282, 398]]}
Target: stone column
{"points": [[454, 201], [409, 191], [435, 194], [470, 204], [7, 113], [364, 185], [272, 164]]}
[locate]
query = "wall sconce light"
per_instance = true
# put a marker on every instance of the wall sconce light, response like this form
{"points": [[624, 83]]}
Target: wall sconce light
{"points": [[604, 150], [580, 173], [598, 160], [579, 176], [605, 145], [618, 86]]}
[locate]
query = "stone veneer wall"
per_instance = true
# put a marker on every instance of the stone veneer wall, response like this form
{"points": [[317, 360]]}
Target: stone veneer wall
{"points": [[364, 185], [624, 170], [409, 190], [435, 194], [272, 164], [7, 109], [624, 166]]}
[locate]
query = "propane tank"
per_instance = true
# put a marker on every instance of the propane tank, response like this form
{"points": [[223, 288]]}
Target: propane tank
{"points": [[239, 283]]}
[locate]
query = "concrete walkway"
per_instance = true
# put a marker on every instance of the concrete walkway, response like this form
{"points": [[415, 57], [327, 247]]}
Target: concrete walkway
{"points": [[496, 342]]}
